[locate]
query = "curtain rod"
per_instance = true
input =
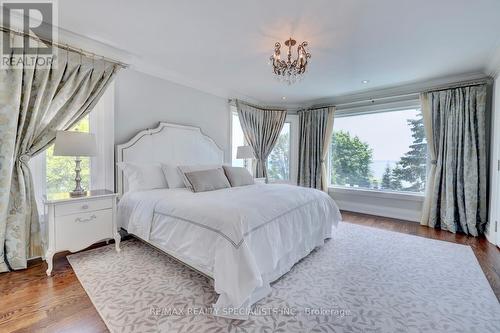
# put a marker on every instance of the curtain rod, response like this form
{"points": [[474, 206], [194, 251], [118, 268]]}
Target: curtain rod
{"points": [[64, 46], [343, 105], [477, 82], [470, 83], [231, 100]]}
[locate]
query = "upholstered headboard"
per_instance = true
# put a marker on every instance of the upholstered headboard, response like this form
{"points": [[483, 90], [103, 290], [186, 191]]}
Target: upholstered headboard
{"points": [[168, 143]]}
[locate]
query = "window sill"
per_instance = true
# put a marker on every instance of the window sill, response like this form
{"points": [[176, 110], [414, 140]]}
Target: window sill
{"points": [[276, 181], [409, 196]]}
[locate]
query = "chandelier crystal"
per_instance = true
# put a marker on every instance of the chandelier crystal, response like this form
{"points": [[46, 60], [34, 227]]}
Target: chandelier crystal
{"points": [[287, 70]]}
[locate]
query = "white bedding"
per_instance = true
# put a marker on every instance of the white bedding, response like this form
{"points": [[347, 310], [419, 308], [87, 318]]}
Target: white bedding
{"points": [[243, 237]]}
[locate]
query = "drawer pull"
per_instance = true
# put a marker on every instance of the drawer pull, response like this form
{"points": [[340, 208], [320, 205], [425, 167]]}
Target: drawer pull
{"points": [[92, 217], [85, 207]]}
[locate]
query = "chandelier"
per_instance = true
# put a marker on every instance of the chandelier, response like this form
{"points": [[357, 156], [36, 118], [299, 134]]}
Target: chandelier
{"points": [[287, 70]]}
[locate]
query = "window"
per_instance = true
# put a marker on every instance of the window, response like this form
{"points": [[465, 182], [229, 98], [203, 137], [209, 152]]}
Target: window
{"points": [[281, 163], [278, 162], [383, 151]]}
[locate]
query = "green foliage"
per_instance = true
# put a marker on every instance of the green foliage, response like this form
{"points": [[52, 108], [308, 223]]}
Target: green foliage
{"points": [[350, 160], [278, 165], [61, 169], [386, 178], [411, 171]]}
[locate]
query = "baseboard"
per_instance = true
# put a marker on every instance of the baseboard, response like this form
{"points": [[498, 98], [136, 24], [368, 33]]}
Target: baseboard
{"points": [[391, 212]]}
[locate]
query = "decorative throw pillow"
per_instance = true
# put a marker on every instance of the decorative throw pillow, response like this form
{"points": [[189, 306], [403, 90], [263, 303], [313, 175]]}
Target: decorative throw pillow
{"points": [[141, 177], [195, 167], [207, 180], [175, 179], [238, 176]]}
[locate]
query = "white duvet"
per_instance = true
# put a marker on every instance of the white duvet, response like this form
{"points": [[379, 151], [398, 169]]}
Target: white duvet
{"points": [[243, 237]]}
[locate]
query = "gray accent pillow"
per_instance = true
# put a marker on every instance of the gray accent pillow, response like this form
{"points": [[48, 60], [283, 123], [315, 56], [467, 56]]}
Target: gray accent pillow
{"points": [[207, 180], [183, 169], [238, 176]]}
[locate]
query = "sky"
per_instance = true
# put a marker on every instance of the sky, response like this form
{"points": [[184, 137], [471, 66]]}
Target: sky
{"points": [[387, 133]]}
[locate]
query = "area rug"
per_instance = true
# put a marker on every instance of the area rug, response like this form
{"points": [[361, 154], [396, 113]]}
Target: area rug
{"points": [[362, 280]]}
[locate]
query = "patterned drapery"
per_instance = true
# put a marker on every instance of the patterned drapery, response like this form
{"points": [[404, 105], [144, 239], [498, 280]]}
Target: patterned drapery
{"points": [[456, 193], [261, 128], [35, 103], [316, 129]]}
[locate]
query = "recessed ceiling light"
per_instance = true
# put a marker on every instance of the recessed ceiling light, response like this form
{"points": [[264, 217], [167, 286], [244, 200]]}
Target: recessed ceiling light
{"points": [[283, 98], [365, 81]]}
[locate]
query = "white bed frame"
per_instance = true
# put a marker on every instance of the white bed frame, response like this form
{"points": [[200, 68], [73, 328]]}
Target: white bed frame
{"points": [[168, 143], [171, 144]]}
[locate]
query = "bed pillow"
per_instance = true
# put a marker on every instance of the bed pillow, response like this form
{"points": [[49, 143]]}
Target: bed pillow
{"points": [[183, 169], [175, 179], [141, 177], [238, 176], [207, 180]]}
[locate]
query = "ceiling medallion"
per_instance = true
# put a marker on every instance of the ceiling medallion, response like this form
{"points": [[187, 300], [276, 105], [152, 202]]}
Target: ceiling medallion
{"points": [[287, 70]]}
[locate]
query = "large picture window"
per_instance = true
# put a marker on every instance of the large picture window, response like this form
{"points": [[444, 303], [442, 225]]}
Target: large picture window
{"points": [[379, 151]]}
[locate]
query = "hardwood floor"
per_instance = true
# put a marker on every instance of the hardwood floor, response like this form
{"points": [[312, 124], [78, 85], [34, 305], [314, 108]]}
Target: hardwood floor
{"points": [[32, 302]]}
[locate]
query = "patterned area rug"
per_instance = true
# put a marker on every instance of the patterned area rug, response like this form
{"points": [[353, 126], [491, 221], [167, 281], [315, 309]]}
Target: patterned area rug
{"points": [[362, 280]]}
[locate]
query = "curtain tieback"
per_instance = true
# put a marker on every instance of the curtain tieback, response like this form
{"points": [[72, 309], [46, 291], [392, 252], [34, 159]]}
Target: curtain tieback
{"points": [[24, 159], [434, 162]]}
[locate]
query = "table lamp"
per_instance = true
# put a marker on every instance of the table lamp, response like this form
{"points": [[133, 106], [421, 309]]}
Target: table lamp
{"points": [[77, 144], [244, 153]]}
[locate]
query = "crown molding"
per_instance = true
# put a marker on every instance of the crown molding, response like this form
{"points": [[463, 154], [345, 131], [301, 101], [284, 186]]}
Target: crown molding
{"points": [[404, 91]]}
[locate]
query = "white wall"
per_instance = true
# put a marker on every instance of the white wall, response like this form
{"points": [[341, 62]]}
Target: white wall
{"points": [[399, 206], [494, 237], [143, 100]]}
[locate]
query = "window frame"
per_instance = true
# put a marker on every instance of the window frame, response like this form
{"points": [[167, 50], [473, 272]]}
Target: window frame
{"points": [[372, 109]]}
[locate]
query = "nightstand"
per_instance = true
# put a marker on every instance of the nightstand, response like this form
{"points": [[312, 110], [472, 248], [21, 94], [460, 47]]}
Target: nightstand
{"points": [[76, 223]]}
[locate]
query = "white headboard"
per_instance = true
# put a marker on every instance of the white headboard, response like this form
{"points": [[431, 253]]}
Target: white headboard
{"points": [[167, 143]]}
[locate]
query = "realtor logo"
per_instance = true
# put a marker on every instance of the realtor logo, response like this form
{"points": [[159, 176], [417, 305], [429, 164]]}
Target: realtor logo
{"points": [[30, 31]]}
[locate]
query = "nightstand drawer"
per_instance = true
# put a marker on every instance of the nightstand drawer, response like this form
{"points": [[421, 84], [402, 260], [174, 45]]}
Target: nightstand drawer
{"points": [[77, 231], [83, 206]]}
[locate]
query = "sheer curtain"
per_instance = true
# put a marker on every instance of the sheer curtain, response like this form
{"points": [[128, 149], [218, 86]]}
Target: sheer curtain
{"points": [[261, 128], [316, 129], [36, 102], [456, 130]]}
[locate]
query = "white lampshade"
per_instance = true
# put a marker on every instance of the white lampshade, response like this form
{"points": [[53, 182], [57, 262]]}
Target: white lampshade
{"points": [[243, 152], [69, 143]]}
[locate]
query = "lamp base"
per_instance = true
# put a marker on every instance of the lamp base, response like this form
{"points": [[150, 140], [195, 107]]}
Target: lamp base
{"points": [[78, 191], [76, 194]]}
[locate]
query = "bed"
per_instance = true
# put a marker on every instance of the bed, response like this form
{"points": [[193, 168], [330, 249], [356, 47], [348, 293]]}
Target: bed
{"points": [[242, 237]]}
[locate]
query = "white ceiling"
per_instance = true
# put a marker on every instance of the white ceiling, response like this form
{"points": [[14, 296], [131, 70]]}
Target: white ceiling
{"points": [[223, 46]]}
